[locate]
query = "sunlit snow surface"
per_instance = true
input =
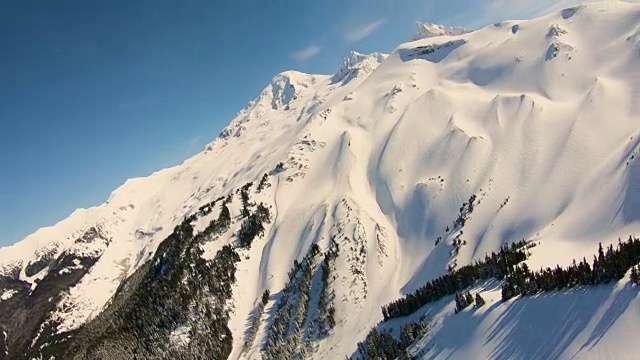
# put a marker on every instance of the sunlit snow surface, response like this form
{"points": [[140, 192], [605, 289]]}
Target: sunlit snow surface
{"points": [[542, 112]]}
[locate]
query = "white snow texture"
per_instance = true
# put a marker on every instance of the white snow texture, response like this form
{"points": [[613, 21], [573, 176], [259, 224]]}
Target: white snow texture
{"points": [[543, 112]]}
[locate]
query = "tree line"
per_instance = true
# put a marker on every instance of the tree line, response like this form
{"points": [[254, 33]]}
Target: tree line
{"points": [[497, 265], [608, 265], [284, 335], [177, 288], [383, 345]]}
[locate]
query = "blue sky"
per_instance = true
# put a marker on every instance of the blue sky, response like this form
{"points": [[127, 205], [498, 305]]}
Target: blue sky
{"points": [[95, 92]]}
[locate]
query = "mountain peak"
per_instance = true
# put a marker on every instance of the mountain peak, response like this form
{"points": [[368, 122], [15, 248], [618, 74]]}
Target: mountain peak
{"points": [[424, 30], [278, 96], [356, 64]]}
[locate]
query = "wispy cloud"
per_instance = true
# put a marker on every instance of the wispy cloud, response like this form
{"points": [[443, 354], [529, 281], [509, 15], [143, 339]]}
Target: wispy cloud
{"points": [[364, 31], [191, 145], [491, 11], [307, 53], [194, 141], [495, 10], [130, 104]]}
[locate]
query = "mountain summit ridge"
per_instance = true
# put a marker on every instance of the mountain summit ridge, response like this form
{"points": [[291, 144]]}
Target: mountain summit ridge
{"points": [[425, 30]]}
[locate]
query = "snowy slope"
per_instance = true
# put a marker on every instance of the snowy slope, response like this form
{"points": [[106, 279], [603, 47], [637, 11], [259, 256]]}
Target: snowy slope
{"points": [[598, 323], [424, 30], [538, 119]]}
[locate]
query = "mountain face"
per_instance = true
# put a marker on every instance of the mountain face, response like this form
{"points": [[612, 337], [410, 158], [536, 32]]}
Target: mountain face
{"points": [[354, 215], [425, 30]]}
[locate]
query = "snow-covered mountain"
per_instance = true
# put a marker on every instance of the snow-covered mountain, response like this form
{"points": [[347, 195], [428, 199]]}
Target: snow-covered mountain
{"points": [[425, 30], [330, 196]]}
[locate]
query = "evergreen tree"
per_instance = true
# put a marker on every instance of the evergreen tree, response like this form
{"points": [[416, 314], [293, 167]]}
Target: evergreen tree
{"points": [[635, 277], [384, 346], [468, 298], [608, 265], [263, 183], [265, 297], [495, 265], [263, 213], [479, 300], [463, 300], [224, 219], [245, 200], [286, 330], [249, 230]]}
